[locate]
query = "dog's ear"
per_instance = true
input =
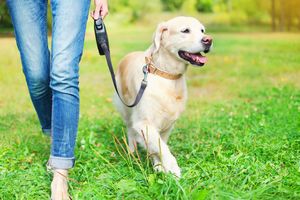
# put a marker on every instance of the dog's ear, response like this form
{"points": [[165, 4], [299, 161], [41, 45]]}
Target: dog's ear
{"points": [[158, 35]]}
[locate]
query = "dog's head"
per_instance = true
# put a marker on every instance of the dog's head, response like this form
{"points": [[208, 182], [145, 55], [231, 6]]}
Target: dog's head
{"points": [[184, 38]]}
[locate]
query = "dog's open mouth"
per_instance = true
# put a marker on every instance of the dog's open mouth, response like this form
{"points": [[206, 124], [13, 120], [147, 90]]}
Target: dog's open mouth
{"points": [[193, 58]]}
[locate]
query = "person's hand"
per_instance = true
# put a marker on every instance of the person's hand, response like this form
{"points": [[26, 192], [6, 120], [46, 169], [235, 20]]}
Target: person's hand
{"points": [[101, 9]]}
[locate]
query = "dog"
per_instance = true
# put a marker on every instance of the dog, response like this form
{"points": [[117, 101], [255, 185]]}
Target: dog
{"points": [[177, 43]]}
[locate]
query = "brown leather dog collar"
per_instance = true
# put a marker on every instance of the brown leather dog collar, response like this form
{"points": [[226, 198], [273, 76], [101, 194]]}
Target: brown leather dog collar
{"points": [[154, 70]]}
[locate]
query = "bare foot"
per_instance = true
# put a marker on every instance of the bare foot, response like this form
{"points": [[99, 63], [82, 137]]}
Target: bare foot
{"points": [[59, 185]]}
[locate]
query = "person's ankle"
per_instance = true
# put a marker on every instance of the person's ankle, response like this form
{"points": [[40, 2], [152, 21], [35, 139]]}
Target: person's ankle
{"points": [[61, 172], [59, 185]]}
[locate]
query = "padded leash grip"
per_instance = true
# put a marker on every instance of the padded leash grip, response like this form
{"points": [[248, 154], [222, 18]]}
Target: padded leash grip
{"points": [[101, 36]]}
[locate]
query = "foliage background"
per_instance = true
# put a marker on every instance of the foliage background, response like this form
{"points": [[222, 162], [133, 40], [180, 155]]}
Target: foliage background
{"points": [[277, 15]]}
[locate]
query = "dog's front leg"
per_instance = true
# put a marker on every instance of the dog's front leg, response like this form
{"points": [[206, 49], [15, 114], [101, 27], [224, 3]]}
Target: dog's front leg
{"points": [[165, 134], [149, 137], [131, 139]]}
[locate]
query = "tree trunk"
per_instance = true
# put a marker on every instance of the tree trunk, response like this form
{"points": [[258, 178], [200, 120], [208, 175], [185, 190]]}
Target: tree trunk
{"points": [[273, 15], [299, 22], [282, 15]]}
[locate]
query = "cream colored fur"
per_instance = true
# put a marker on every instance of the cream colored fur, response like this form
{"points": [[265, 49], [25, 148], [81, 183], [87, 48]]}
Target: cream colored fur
{"points": [[151, 121]]}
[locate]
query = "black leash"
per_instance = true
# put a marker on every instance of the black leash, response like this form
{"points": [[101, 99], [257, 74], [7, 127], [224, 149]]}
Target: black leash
{"points": [[103, 48]]}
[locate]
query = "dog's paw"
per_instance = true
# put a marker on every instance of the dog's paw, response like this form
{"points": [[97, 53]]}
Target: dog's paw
{"points": [[158, 167], [175, 170], [59, 185], [170, 165]]}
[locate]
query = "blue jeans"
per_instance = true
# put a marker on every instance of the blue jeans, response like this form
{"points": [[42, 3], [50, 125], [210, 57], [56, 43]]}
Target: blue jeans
{"points": [[52, 79]]}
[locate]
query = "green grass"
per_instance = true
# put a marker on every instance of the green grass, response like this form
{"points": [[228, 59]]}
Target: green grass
{"points": [[238, 139]]}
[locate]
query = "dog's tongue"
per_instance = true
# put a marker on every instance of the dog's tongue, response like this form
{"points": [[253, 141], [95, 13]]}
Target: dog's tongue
{"points": [[197, 57], [201, 59]]}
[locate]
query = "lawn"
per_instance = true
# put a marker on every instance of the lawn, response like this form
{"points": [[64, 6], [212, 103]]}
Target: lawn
{"points": [[239, 137]]}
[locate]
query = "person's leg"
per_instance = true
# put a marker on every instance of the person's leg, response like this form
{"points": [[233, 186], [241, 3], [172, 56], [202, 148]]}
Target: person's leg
{"points": [[30, 24], [69, 24]]}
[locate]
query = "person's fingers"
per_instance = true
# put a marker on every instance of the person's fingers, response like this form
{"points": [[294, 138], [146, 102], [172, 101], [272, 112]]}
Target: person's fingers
{"points": [[101, 9], [97, 11], [104, 12]]}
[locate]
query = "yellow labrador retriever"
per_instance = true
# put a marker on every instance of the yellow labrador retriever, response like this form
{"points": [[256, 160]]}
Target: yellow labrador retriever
{"points": [[176, 44]]}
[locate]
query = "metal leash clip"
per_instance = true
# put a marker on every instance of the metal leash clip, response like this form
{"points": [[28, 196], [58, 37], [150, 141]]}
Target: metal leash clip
{"points": [[145, 72]]}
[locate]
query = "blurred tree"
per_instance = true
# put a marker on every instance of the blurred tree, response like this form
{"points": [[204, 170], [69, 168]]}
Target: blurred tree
{"points": [[255, 10], [189, 6], [135, 9], [117, 5], [229, 5], [279, 14], [282, 15], [292, 10], [204, 5], [285, 14], [5, 21], [172, 5], [273, 15], [138, 10], [222, 6]]}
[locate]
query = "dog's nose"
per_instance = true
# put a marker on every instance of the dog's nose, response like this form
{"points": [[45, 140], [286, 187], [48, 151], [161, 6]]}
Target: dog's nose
{"points": [[207, 40]]}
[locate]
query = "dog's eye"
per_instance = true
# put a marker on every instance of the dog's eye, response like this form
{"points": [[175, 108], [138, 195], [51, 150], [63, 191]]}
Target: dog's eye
{"points": [[186, 30], [202, 30]]}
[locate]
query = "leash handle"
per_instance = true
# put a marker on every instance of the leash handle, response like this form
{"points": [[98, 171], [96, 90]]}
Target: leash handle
{"points": [[101, 36], [103, 48]]}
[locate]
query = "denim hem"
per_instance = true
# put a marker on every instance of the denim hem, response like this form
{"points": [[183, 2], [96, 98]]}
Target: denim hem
{"points": [[47, 132], [61, 162]]}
